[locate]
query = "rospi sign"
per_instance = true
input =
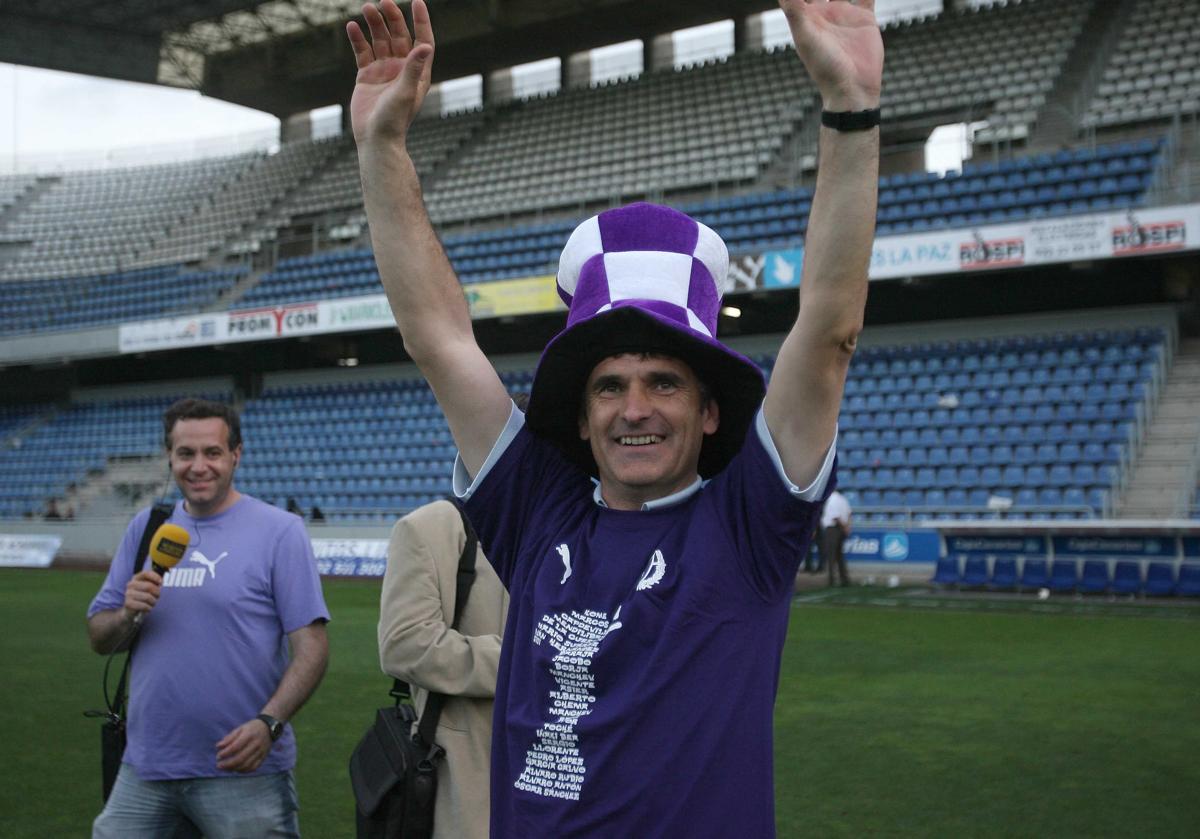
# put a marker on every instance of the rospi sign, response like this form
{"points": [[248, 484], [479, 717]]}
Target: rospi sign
{"points": [[1137, 237], [992, 253]]}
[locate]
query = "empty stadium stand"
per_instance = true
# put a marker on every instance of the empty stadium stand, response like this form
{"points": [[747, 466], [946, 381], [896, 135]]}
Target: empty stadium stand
{"points": [[994, 63], [1111, 176], [103, 222], [1043, 423], [1108, 177], [667, 130], [1038, 426], [336, 191], [724, 123], [1154, 71], [60, 446], [124, 296], [237, 215]]}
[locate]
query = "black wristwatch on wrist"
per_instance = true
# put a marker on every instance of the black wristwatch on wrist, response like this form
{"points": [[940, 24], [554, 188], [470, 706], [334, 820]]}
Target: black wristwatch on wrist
{"points": [[274, 726], [851, 120]]}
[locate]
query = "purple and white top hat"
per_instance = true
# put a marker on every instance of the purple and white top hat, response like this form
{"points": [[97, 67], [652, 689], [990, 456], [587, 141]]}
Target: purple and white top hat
{"points": [[643, 278]]}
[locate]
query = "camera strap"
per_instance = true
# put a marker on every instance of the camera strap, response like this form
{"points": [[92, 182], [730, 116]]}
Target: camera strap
{"points": [[463, 582], [159, 513]]}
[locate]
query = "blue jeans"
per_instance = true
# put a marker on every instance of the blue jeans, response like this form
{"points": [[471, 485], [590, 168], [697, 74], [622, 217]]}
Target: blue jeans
{"points": [[235, 807]]}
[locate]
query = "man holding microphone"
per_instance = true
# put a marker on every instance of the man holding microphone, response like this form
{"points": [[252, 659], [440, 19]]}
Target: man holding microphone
{"points": [[213, 686]]}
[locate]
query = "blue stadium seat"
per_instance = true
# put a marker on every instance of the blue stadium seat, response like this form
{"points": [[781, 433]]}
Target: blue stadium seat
{"points": [[1063, 575], [1069, 452], [1026, 497], [1059, 475], [1095, 577], [1084, 475], [1046, 453], [947, 571], [1033, 573], [1188, 584], [1074, 497], [1127, 577], [1160, 579], [1012, 477], [975, 571], [968, 477], [893, 497], [1004, 573]]}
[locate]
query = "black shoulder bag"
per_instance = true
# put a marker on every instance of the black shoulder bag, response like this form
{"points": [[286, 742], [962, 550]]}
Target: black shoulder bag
{"points": [[393, 771], [112, 732]]}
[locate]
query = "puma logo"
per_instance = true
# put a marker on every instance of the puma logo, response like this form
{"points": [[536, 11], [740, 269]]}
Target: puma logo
{"points": [[210, 564]]}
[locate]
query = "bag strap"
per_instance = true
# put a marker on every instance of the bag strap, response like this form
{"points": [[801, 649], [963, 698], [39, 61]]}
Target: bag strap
{"points": [[464, 580], [158, 514]]}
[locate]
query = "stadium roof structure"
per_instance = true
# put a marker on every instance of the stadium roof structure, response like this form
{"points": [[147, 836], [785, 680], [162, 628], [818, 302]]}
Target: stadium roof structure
{"points": [[287, 56]]}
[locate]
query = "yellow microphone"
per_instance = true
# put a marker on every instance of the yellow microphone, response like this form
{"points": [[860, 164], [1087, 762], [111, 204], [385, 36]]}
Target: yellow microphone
{"points": [[167, 546]]}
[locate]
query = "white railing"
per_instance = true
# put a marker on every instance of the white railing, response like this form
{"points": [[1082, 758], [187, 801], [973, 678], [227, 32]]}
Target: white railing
{"points": [[912, 516]]}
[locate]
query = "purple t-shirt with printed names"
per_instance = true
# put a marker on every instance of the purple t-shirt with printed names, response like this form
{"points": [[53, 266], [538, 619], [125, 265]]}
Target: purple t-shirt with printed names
{"points": [[214, 648], [641, 656]]}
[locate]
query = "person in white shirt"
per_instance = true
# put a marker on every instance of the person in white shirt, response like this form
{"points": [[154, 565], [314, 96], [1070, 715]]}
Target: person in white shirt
{"points": [[835, 527]]}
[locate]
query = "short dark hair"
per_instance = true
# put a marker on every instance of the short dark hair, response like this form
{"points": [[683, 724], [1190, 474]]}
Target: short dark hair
{"points": [[185, 409]]}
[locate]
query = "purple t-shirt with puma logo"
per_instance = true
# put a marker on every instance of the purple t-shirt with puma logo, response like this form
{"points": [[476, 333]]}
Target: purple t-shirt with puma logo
{"points": [[213, 649], [641, 655]]}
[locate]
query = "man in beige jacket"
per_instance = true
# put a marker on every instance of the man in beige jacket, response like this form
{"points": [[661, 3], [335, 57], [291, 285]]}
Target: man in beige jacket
{"points": [[417, 644]]}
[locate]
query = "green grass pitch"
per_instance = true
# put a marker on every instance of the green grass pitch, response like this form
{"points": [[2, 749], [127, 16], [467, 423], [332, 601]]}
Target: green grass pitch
{"points": [[896, 716]]}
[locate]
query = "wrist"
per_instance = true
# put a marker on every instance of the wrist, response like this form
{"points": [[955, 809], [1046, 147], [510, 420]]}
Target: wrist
{"points": [[838, 101], [383, 149]]}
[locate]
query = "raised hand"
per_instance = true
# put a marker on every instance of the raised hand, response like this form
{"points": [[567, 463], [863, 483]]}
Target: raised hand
{"points": [[841, 47], [394, 72]]}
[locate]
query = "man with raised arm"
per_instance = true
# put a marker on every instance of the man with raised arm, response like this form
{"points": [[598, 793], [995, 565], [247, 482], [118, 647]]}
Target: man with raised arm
{"points": [[648, 511]]}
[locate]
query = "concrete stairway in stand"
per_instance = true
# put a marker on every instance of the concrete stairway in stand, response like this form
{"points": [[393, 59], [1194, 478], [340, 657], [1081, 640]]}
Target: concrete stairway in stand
{"points": [[1164, 474]]}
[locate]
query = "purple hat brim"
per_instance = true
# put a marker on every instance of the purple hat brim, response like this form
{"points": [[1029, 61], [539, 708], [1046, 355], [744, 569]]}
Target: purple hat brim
{"points": [[555, 399]]}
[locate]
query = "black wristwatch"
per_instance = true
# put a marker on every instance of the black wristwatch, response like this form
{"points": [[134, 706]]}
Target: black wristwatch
{"points": [[273, 725], [851, 120]]}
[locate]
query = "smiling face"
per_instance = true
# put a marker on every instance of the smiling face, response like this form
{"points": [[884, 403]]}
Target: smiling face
{"points": [[645, 417], [203, 464]]}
